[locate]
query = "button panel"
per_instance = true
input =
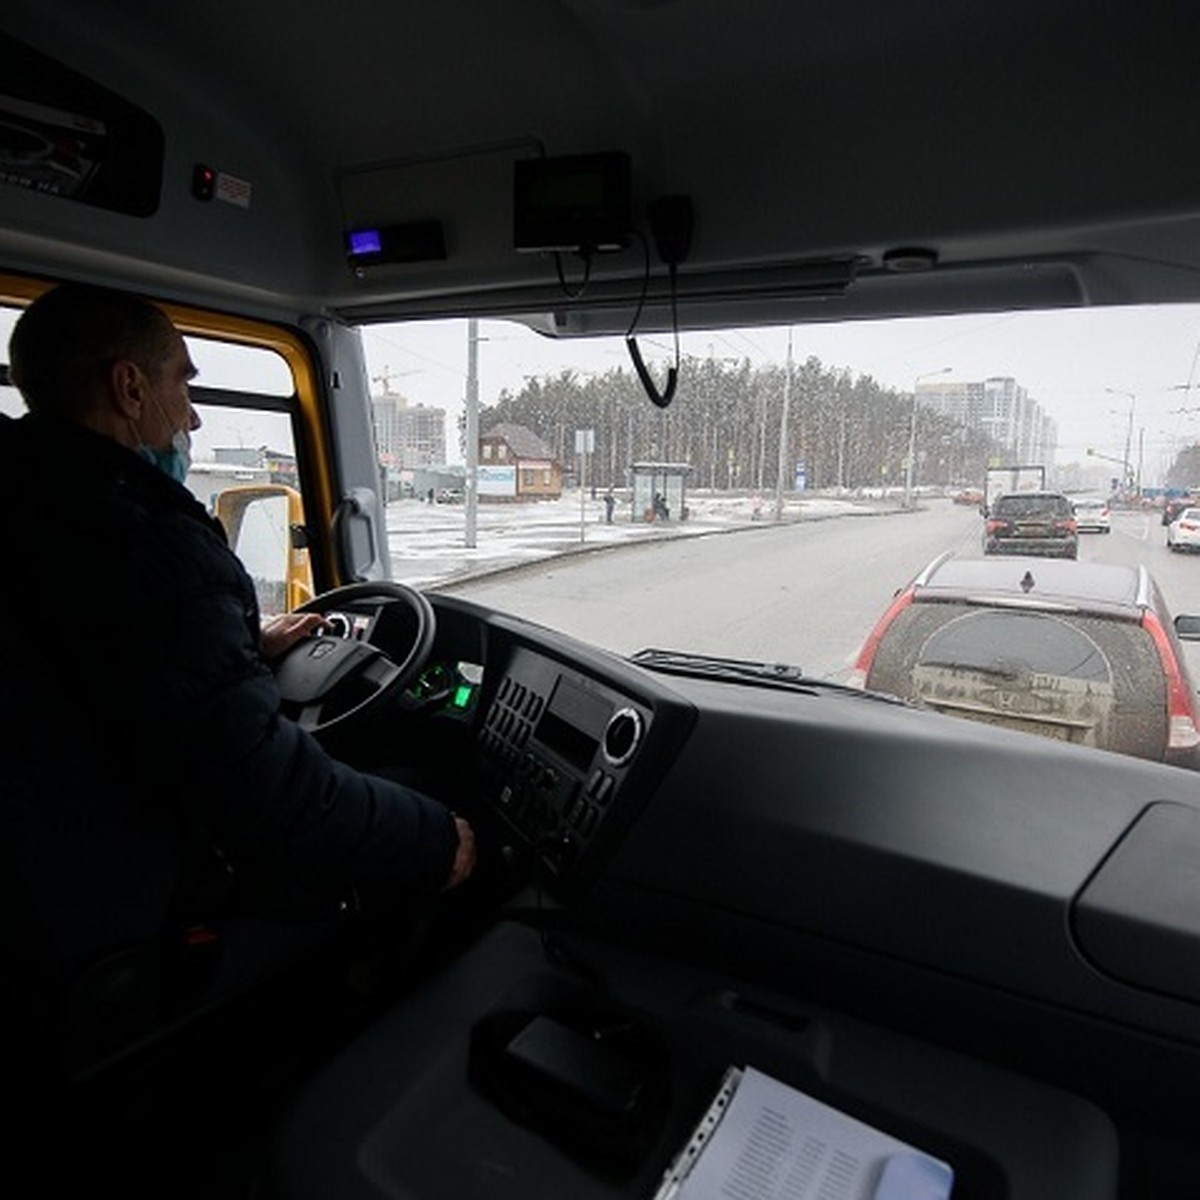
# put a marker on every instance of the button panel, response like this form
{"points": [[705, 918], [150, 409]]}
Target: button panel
{"points": [[557, 789]]}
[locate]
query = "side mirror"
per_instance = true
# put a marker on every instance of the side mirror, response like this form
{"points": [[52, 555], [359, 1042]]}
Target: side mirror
{"points": [[265, 527], [1187, 626]]}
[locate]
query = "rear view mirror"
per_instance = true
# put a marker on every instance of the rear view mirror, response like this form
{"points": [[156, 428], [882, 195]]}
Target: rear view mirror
{"points": [[1187, 625]]}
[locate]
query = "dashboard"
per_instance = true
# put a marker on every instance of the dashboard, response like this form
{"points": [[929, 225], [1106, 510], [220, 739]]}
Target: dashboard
{"points": [[571, 741], [833, 871], [987, 854]]}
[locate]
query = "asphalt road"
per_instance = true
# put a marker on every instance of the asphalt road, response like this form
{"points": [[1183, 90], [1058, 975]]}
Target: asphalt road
{"points": [[804, 594]]}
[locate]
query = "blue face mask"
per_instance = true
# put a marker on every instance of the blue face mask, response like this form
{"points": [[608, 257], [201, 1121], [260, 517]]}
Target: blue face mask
{"points": [[175, 460]]}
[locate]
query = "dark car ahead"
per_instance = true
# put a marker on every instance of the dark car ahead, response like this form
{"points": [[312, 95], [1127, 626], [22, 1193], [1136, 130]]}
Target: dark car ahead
{"points": [[1041, 523], [1173, 507], [1079, 651]]}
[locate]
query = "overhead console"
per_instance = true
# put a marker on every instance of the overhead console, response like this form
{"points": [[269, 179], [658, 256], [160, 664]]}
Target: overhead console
{"points": [[570, 759]]}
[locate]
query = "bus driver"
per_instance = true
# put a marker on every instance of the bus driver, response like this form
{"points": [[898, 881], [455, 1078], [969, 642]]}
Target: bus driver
{"points": [[146, 737]]}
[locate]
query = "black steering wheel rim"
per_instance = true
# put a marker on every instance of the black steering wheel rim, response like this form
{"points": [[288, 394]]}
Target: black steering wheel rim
{"points": [[317, 671]]}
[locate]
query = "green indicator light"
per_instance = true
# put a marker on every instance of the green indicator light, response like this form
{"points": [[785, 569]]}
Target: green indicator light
{"points": [[462, 695]]}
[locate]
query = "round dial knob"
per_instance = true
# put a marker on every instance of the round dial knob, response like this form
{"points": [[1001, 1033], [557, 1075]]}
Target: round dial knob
{"points": [[622, 736]]}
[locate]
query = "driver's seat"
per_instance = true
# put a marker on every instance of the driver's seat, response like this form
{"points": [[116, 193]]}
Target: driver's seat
{"points": [[112, 1087]]}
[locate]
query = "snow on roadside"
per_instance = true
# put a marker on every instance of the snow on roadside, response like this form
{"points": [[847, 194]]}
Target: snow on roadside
{"points": [[427, 541]]}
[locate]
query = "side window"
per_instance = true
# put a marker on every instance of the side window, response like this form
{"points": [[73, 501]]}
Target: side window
{"points": [[11, 404], [244, 466]]}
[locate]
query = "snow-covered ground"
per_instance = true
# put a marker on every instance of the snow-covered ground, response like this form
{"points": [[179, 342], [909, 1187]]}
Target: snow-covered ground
{"points": [[428, 547]]}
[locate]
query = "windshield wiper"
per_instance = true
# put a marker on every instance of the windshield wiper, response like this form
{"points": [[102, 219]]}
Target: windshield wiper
{"points": [[779, 675]]}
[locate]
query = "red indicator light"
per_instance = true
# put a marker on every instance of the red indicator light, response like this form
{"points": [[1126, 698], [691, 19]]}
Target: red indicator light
{"points": [[204, 182]]}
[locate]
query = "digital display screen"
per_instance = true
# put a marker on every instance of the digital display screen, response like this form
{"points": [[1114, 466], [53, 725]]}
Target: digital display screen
{"points": [[574, 723], [566, 741], [580, 192], [364, 241], [410, 242], [572, 203]]}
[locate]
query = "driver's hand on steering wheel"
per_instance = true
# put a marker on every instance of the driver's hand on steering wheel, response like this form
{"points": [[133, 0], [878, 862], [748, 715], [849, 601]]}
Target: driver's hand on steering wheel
{"points": [[281, 632], [464, 856]]}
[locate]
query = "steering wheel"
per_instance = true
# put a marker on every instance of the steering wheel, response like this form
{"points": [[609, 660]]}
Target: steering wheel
{"points": [[328, 680]]}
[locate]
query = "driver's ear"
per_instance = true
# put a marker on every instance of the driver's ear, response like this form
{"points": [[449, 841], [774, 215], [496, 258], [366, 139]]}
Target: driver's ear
{"points": [[127, 388]]}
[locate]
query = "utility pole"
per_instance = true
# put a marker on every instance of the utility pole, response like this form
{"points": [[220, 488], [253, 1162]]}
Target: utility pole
{"points": [[585, 444], [910, 464], [762, 440], [471, 450], [841, 447], [1128, 482], [783, 431]]}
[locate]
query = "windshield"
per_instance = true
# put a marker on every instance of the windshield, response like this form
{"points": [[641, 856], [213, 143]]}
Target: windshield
{"points": [[798, 479]]}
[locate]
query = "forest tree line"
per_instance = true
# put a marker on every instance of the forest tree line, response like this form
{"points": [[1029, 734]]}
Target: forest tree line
{"points": [[726, 421], [1184, 472]]}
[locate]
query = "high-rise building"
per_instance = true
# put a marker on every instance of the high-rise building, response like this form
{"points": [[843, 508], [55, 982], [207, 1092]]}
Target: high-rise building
{"points": [[408, 436], [1002, 409]]}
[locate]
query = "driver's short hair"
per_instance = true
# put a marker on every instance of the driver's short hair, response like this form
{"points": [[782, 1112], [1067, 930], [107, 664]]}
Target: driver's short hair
{"points": [[64, 343]]}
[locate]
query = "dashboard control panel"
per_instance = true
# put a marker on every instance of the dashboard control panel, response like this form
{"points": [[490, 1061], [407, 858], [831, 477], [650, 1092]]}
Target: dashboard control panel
{"points": [[558, 747]]}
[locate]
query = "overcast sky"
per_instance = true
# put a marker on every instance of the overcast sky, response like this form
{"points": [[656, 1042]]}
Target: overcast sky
{"points": [[1065, 360]]}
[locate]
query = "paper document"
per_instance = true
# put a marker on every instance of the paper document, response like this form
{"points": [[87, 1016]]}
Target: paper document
{"points": [[764, 1140]]}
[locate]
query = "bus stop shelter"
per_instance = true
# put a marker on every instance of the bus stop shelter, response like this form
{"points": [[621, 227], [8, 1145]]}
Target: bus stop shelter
{"points": [[659, 490]]}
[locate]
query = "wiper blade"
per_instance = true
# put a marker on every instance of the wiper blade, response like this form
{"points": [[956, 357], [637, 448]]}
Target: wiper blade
{"points": [[711, 664], [779, 675]]}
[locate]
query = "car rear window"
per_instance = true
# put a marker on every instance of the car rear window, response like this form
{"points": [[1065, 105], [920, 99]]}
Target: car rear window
{"points": [[1032, 506], [1084, 678], [999, 640]]}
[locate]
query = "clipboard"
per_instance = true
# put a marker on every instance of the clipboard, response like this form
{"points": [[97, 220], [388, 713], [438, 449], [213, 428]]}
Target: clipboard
{"points": [[762, 1139]]}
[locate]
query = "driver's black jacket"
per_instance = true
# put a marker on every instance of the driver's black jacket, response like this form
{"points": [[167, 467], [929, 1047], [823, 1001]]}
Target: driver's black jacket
{"points": [[141, 724]]}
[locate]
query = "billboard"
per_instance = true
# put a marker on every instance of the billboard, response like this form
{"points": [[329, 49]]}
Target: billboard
{"points": [[497, 481]]}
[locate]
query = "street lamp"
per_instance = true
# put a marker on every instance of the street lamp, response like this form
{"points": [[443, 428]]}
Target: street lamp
{"points": [[1128, 432], [912, 436]]}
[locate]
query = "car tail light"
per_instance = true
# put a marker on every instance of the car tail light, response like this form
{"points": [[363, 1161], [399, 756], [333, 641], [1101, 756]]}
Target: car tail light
{"points": [[866, 656], [997, 526], [1068, 525], [1190, 526], [1182, 733]]}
